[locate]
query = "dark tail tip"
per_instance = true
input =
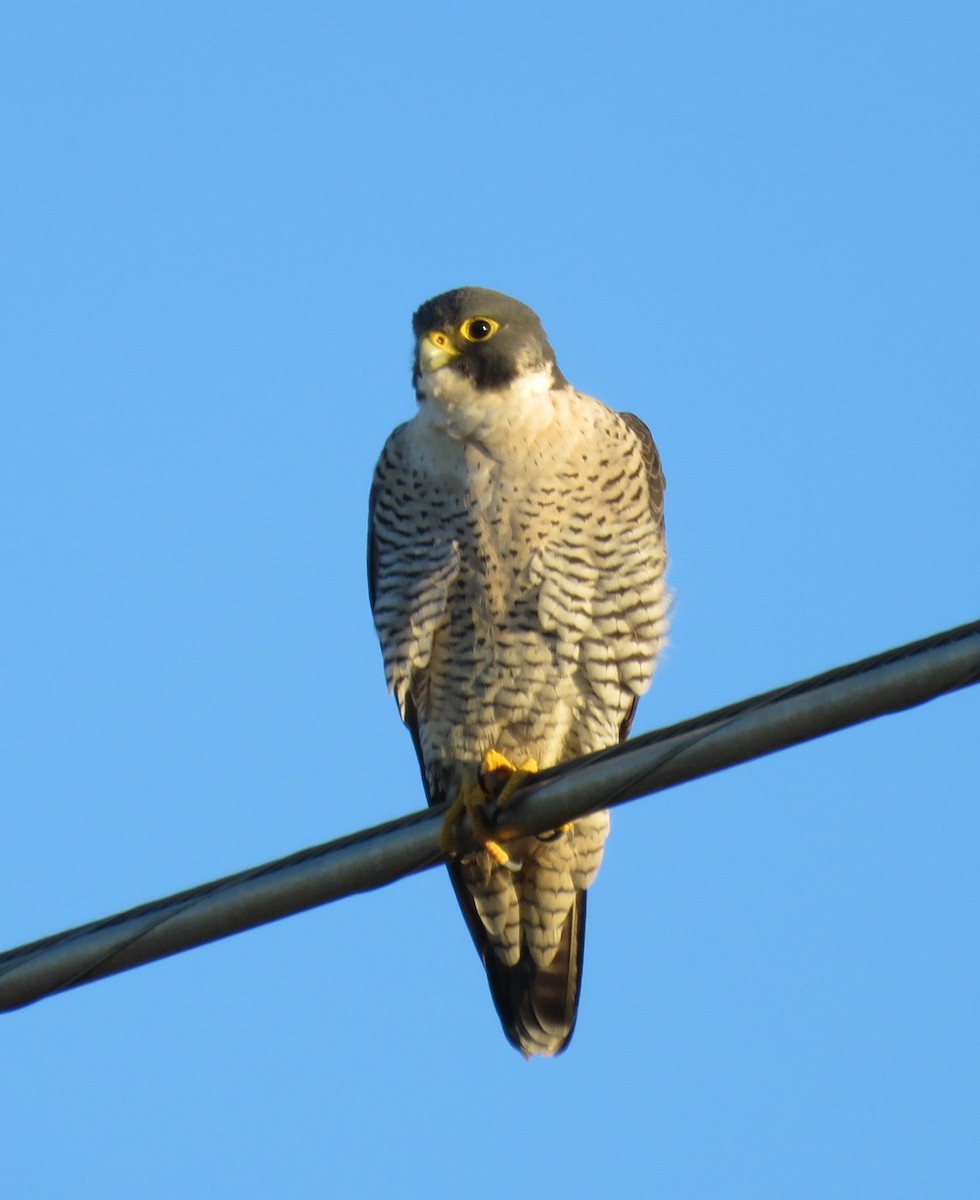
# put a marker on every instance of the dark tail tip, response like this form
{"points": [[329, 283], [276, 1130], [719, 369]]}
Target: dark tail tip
{"points": [[538, 1006]]}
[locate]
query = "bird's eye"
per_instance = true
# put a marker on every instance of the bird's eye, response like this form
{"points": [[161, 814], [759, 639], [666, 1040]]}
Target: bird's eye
{"points": [[479, 329]]}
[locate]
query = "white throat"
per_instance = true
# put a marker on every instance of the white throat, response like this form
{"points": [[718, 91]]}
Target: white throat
{"points": [[490, 416]]}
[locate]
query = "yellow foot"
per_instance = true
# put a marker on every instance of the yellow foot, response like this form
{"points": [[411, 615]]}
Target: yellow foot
{"points": [[498, 780], [555, 833], [501, 778], [471, 801]]}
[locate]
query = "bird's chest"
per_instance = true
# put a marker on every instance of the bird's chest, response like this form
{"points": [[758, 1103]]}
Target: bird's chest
{"points": [[501, 504], [505, 517]]}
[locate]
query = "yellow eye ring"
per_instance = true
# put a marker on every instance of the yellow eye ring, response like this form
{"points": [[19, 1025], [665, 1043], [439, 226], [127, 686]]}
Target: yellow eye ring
{"points": [[479, 329]]}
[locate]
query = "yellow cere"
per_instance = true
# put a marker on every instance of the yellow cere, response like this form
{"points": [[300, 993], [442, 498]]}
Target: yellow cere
{"points": [[435, 350]]}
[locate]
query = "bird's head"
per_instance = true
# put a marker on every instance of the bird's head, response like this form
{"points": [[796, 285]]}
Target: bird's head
{"points": [[484, 338]]}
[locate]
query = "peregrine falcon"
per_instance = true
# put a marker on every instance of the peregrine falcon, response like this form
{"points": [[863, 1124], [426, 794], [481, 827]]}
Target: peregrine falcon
{"points": [[516, 570]]}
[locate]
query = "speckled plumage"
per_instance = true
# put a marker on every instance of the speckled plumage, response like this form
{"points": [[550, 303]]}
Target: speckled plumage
{"points": [[517, 558]]}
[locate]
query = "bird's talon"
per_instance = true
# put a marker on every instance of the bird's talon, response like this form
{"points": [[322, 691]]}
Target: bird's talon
{"points": [[555, 834], [501, 857], [497, 780], [470, 803], [500, 778], [448, 841], [493, 761]]}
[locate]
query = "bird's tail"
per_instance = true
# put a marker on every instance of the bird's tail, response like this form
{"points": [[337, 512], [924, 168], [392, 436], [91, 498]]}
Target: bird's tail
{"points": [[537, 1005]]}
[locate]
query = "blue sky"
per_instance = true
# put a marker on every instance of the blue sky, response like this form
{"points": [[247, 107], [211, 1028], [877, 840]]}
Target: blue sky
{"points": [[754, 225]]}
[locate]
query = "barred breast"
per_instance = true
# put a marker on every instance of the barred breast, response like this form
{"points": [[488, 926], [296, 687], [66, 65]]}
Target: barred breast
{"points": [[520, 601]]}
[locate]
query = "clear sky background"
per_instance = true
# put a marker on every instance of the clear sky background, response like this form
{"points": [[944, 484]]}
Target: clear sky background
{"points": [[756, 225]]}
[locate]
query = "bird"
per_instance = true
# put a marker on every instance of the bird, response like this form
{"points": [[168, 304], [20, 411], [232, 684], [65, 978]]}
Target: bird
{"points": [[516, 570]]}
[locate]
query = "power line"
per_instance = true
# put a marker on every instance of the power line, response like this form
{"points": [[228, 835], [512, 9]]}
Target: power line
{"points": [[885, 683]]}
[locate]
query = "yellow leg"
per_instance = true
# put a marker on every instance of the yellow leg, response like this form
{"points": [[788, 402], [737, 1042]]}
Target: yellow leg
{"points": [[499, 778]]}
